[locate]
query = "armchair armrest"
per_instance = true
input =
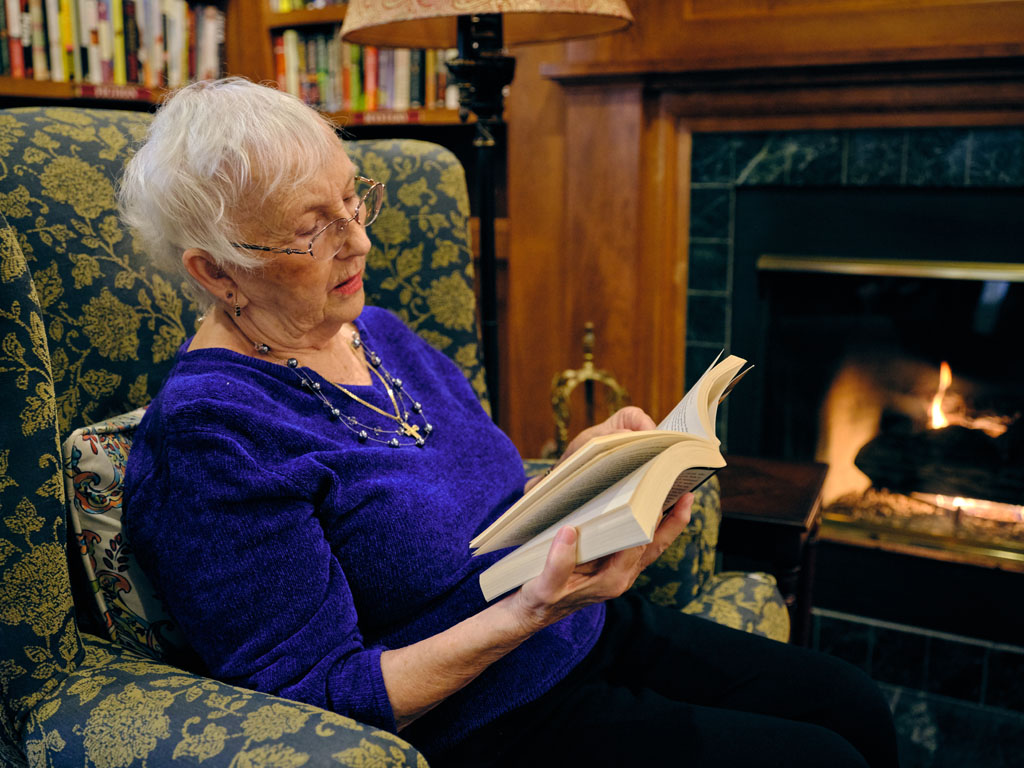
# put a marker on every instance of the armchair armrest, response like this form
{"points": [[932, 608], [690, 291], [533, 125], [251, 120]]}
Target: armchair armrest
{"points": [[119, 709]]}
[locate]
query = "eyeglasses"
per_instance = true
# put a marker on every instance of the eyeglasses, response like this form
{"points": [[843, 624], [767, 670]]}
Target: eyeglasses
{"points": [[366, 212]]}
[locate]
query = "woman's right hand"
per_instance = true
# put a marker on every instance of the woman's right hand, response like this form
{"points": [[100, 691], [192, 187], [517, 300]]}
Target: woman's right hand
{"points": [[564, 586]]}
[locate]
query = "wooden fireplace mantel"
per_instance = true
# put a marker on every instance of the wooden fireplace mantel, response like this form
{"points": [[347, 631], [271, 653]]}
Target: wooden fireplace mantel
{"points": [[885, 92]]}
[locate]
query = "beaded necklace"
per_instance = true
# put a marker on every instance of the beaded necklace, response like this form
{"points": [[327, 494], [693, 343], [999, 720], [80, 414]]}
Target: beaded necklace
{"points": [[404, 434]]}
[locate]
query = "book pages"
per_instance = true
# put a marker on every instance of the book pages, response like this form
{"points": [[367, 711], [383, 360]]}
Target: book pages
{"points": [[686, 417], [598, 474]]}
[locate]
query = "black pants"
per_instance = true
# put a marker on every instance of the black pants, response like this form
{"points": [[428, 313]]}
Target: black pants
{"points": [[665, 689]]}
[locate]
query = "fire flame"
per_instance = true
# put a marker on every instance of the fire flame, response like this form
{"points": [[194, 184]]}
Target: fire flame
{"points": [[991, 425], [938, 418]]}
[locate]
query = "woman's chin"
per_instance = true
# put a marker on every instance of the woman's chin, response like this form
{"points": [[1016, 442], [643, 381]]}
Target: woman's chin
{"points": [[348, 305]]}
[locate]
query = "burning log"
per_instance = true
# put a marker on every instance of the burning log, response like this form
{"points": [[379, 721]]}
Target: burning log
{"points": [[952, 461]]}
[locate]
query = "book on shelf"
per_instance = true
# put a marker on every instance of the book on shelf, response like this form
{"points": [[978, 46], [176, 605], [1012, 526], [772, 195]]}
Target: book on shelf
{"points": [[117, 42], [68, 14], [15, 55], [40, 54], [150, 43], [371, 62], [356, 78], [5, 53], [615, 489], [54, 48]]}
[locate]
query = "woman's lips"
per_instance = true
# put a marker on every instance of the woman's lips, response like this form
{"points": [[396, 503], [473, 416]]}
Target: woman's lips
{"points": [[350, 286]]}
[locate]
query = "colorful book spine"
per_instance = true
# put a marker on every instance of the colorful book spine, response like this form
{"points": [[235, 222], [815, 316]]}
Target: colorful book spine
{"points": [[132, 41], [26, 40], [89, 41], [5, 51], [105, 25], [358, 102], [277, 43], [68, 39], [191, 53], [334, 77], [401, 75], [14, 50], [369, 77], [209, 43], [346, 73], [417, 85], [291, 61], [157, 52], [120, 58], [451, 91], [322, 86], [56, 51], [40, 68]]}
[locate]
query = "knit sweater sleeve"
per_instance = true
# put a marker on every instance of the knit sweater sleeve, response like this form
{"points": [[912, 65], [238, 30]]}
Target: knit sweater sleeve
{"points": [[241, 559]]}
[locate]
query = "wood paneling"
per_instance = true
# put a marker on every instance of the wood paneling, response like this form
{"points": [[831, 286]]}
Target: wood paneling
{"points": [[541, 339]]}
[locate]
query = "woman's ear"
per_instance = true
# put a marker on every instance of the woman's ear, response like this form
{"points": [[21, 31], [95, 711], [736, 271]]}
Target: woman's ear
{"points": [[204, 270]]}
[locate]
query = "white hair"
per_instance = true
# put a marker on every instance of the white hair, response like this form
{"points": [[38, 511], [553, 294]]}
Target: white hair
{"points": [[215, 154]]}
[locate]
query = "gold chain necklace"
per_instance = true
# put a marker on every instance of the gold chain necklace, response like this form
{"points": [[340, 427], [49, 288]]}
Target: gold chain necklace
{"points": [[417, 434]]}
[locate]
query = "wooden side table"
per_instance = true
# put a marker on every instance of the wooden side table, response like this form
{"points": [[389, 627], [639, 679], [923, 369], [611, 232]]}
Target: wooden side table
{"points": [[770, 514]]}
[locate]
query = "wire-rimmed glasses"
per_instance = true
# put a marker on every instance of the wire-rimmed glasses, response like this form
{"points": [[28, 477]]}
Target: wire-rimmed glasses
{"points": [[366, 212]]}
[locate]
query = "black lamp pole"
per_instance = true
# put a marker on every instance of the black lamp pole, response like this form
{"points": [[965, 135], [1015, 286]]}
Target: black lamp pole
{"points": [[481, 71]]}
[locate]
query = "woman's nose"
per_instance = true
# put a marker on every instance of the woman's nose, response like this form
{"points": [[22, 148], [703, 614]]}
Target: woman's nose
{"points": [[356, 241]]}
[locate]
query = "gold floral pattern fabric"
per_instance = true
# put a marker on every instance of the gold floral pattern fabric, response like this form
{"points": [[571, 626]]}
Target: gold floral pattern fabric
{"points": [[119, 709], [112, 323], [39, 641], [747, 601]]}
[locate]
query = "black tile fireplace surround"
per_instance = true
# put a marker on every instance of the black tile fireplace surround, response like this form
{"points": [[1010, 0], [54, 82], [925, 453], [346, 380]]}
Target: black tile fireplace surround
{"points": [[978, 171]]}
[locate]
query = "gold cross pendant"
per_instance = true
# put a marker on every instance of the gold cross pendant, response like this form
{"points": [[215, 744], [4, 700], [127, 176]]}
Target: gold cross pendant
{"points": [[411, 430]]}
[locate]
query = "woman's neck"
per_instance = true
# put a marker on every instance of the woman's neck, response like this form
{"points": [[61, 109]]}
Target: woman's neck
{"points": [[330, 354]]}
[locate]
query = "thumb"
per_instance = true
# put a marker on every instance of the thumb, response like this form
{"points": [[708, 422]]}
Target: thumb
{"points": [[561, 560]]}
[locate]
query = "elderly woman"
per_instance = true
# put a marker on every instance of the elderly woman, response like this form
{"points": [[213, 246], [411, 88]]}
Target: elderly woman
{"points": [[304, 488]]}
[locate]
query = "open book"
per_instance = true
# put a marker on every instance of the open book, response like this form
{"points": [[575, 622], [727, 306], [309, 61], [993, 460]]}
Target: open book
{"points": [[614, 489]]}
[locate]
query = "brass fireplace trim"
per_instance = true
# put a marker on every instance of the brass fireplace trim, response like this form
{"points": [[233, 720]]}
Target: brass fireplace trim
{"points": [[945, 270], [847, 530]]}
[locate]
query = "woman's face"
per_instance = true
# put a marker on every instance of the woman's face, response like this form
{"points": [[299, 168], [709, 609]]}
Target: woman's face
{"points": [[297, 292]]}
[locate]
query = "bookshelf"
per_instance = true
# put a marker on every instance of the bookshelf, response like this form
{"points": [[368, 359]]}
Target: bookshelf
{"points": [[249, 29], [258, 21]]}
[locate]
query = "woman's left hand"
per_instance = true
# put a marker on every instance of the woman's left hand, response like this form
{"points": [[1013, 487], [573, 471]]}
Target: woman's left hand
{"points": [[628, 419], [565, 586]]}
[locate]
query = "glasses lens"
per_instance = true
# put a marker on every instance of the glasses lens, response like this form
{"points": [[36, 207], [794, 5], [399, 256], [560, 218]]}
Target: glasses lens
{"points": [[371, 205]]}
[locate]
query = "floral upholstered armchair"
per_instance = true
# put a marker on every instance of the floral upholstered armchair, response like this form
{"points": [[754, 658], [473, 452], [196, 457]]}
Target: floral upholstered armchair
{"points": [[92, 670]]}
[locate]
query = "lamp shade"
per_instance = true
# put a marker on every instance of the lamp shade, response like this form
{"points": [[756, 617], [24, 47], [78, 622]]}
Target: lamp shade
{"points": [[432, 23]]}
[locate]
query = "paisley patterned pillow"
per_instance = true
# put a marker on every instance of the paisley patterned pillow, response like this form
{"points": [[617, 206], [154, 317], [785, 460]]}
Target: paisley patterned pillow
{"points": [[94, 462]]}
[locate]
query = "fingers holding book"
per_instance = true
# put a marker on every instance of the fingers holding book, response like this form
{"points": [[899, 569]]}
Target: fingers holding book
{"points": [[565, 586]]}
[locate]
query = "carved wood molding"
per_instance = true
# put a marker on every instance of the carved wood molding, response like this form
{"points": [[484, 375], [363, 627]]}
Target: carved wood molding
{"points": [[941, 92]]}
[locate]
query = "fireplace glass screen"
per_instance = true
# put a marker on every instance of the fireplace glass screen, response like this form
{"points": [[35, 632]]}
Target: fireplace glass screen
{"points": [[888, 326]]}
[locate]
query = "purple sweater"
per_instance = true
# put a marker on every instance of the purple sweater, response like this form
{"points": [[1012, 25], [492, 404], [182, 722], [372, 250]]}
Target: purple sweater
{"points": [[292, 555]]}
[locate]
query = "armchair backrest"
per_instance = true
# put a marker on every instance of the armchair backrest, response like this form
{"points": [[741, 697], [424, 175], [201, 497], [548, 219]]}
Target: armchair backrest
{"points": [[88, 330]]}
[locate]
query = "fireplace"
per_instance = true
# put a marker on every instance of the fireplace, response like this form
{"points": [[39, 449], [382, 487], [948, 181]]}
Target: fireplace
{"points": [[873, 275], [859, 373]]}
